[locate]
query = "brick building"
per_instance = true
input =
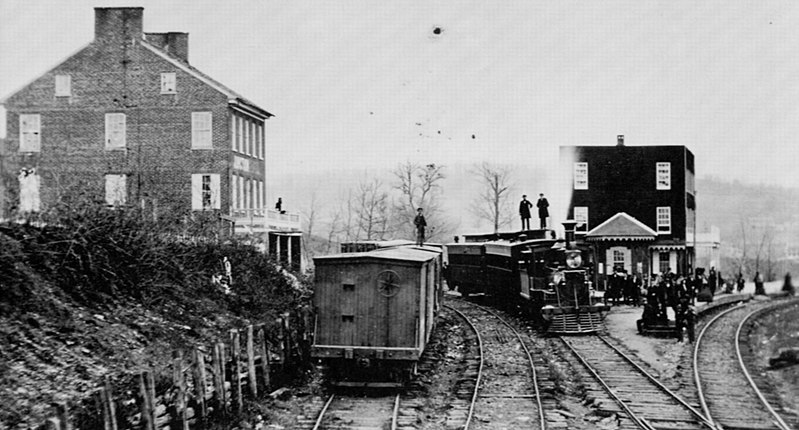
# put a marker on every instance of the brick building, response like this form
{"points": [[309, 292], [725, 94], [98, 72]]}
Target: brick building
{"points": [[636, 204], [128, 120]]}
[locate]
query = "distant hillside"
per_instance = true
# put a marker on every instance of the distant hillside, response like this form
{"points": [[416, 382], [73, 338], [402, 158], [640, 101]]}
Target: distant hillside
{"points": [[728, 204]]}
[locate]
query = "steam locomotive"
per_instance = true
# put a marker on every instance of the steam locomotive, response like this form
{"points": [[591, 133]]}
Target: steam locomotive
{"points": [[548, 279]]}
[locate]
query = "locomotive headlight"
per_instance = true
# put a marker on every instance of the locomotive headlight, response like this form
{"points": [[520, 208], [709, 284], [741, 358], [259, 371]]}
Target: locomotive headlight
{"points": [[574, 260]]}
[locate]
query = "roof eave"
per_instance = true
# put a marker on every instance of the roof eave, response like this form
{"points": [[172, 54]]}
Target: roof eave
{"points": [[249, 107]]}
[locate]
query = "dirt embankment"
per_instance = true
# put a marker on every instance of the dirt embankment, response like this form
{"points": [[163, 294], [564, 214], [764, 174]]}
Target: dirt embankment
{"points": [[77, 306]]}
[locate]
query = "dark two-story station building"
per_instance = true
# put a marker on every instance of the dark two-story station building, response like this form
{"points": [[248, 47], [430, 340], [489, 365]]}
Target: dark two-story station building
{"points": [[636, 204]]}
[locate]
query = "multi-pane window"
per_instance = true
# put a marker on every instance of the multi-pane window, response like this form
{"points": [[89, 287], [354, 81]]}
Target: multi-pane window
{"points": [[116, 189], [663, 176], [239, 143], [581, 217], [259, 204], [580, 176], [63, 86], [30, 128], [115, 131], [618, 258], [234, 130], [664, 219], [663, 263], [205, 191], [201, 130], [168, 83]]}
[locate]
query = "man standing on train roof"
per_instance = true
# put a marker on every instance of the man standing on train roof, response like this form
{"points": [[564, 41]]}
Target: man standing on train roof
{"points": [[420, 224], [524, 212], [543, 212]]}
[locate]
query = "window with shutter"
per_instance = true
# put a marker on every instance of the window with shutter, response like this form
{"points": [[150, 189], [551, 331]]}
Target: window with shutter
{"points": [[205, 191], [116, 190], [201, 130], [29, 184], [168, 83], [115, 131], [63, 86], [30, 133]]}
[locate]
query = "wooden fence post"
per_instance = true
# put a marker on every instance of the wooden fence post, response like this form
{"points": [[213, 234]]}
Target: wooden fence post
{"points": [[108, 406], [179, 382], [62, 412], [199, 383], [281, 336], [264, 358], [287, 336], [235, 370], [52, 424], [218, 366], [251, 363], [148, 423]]}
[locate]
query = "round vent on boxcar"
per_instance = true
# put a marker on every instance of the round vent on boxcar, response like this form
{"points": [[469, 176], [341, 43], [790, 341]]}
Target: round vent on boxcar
{"points": [[388, 283]]}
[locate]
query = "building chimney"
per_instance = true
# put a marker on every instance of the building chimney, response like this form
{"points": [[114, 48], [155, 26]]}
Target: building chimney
{"points": [[173, 43], [620, 140], [117, 24]]}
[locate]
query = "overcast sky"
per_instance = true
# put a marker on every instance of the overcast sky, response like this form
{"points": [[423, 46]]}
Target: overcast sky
{"points": [[369, 83]]}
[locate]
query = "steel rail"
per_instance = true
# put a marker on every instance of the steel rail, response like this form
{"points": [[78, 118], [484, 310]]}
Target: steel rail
{"points": [[322, 412], [395, 413], [704, 418], [541, 415], [479, 370], [697, 380], [640, 421], [780, 422]]}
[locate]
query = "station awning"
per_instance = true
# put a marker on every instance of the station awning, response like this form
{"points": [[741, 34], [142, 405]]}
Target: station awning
{"points": [[621, 227]]}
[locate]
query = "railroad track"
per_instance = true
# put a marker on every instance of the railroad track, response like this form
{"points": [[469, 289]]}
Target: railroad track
{"points": [[727, 391], [637, 398], [506, 392], [358, 411]]}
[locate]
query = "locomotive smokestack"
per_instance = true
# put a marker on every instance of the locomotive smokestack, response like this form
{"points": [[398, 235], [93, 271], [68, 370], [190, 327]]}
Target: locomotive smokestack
{"points": [[568, 227], [620, 140]]}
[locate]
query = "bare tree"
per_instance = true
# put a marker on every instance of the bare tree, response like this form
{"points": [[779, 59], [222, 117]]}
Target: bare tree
{"points": [[492, 202], [310, 214], [371, 210], [420, 187]]}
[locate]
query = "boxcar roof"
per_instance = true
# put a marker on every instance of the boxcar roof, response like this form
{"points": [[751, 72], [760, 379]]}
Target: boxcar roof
{"points": [[418, 254]]}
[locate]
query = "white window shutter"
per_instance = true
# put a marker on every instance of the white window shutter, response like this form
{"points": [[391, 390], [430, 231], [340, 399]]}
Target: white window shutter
{"points": [[628, 260], [196, 192], [215, 192], [29, 183]]}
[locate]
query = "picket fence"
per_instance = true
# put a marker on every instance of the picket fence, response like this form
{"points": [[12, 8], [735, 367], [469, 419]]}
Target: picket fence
{"points": [[209, 385]]}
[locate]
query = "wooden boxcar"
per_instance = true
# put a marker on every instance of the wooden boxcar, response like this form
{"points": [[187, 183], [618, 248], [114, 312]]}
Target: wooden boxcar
{"points": [[375, 312]]}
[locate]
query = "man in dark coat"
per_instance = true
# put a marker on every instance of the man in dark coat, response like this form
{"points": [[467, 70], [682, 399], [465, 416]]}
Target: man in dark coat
{"points": [[543, 212], [524, 212], [420, 224]]}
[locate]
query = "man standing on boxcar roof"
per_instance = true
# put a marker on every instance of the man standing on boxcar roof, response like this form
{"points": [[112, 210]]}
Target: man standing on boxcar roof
{"points": [[543, 212], [420, 224], [524, 212]]}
